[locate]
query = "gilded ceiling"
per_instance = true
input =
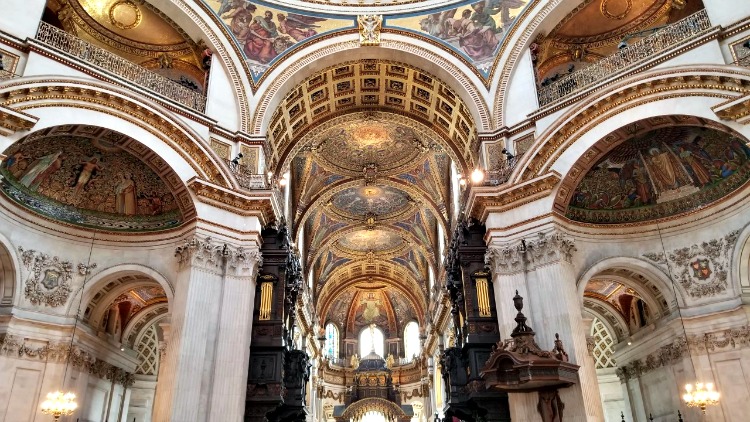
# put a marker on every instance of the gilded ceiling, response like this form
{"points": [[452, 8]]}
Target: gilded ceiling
{"points": [[134, 30], [421, 113], [595, 29]]}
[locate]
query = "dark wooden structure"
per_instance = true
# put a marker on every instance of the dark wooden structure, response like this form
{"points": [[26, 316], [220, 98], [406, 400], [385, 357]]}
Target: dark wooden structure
{"points": [[278, 373], [469, 284]]}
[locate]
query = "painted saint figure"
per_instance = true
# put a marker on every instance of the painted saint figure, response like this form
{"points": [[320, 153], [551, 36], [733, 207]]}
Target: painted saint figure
{"points": [[88, 168], [125, 198], [41, 170]]}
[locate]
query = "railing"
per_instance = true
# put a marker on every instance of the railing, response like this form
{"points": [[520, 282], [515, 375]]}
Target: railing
{"points": [[119, 66], [626, 57], [501, 174], [246, 178]]}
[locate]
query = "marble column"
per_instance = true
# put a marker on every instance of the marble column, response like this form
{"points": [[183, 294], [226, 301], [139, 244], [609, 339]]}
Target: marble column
{"points": [[233, 343], [508, 265], [205, 367], [556, 309]]}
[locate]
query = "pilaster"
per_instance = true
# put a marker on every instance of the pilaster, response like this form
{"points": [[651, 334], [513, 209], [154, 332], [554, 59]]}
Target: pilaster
{"points": [[205, 365], [540, 268]]}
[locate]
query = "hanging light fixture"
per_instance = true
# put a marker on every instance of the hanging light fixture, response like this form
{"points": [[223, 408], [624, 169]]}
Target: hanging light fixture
{"points": [[702, 396], [60, 403]]}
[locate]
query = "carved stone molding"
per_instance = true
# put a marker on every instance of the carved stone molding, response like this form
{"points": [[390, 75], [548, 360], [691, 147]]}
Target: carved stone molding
{"points": [[701, 269], [527, 255], [49, 281], [713, 342], [81, 360], [212, 255], [506, 259]]}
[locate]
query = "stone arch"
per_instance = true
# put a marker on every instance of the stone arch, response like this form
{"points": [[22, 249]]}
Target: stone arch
{"points": [[107, 279], [389, 409], [645, 95], [657, 291], [149, 315], [536, 18], [202, 23], [613, 322], [740, 263], [340, 49], [116, 109], [10, 275]]}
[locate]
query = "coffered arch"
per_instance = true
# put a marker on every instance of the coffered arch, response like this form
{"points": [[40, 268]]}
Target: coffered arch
{"points": [[403, 94]]}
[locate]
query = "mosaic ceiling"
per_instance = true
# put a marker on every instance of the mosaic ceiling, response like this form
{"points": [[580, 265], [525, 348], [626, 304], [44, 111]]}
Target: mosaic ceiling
{"points": [[661, 173], [266, 32], [365, 195], [89, 176]]}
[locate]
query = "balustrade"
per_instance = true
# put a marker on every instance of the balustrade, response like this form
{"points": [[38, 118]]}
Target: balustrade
{"points": [[118, 66], [626, 57]]}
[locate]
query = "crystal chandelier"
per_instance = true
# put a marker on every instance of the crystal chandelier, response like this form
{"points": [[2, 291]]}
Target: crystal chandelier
{"points": [[701, 396], [59, 404]]}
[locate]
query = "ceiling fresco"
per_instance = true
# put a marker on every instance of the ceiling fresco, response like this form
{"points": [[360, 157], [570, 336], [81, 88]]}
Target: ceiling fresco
{"points": [[474, 30], [88, 181], [625, 301], [265, 33], [595, 29], [376, 240], [661, 173], [356, 308], [377, 200]]}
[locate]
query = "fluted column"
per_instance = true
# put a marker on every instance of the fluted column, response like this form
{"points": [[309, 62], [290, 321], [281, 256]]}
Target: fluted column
{"points": [[509, 275], [164, 379], [205, 366], [556, 308], [234, 334]]}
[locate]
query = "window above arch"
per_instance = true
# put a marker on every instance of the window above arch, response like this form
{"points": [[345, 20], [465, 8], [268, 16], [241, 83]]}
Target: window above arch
{"points": [[603, 345], [411, 340], [332, 341], [372, 339]]}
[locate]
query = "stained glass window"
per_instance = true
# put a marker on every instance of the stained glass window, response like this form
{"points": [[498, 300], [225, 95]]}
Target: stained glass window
{"points": [[371, 338], [332, 341], [411, 339]]}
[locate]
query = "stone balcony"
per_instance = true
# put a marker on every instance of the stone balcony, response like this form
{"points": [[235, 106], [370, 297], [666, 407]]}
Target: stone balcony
{"points": [[113, 67], [636, 56]]}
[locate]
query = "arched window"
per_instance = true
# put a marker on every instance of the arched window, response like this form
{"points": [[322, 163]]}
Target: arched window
{"points": [[332, 341], [411, 340], [371, 338]]}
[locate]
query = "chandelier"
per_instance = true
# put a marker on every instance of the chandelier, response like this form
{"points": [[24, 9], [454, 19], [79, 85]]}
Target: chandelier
{"points": [[59, 404], [702, 396]]}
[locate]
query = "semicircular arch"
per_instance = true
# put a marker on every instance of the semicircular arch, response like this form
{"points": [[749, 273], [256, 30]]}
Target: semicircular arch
{"points": [[340, 49], [643, 96]]}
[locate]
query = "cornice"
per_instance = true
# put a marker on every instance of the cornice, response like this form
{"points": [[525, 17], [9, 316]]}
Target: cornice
{"points": [[483, 201], [256, 205], [12, 121], [736, 109]]}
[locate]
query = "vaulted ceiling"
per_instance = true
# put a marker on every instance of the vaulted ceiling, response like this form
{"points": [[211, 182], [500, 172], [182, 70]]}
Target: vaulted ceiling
{"points": [[370, 186]]}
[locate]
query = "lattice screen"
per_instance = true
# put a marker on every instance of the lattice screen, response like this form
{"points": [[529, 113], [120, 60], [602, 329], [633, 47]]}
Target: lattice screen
{"points": [[148, 353], [603, 343]]}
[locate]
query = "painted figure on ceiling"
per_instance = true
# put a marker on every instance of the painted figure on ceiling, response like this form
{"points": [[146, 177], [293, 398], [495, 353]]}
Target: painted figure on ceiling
{"points": [[41, 170], [125, 198], [261, 35], [87, 170], [298, 26]]}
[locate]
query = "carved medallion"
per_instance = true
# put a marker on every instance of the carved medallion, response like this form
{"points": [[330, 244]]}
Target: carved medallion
{"points": [[49, 282]]}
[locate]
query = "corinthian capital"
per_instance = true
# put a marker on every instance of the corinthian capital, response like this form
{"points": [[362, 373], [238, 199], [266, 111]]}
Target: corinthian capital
{"points": [[505, 259], [549, 248], [213, 255]]}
